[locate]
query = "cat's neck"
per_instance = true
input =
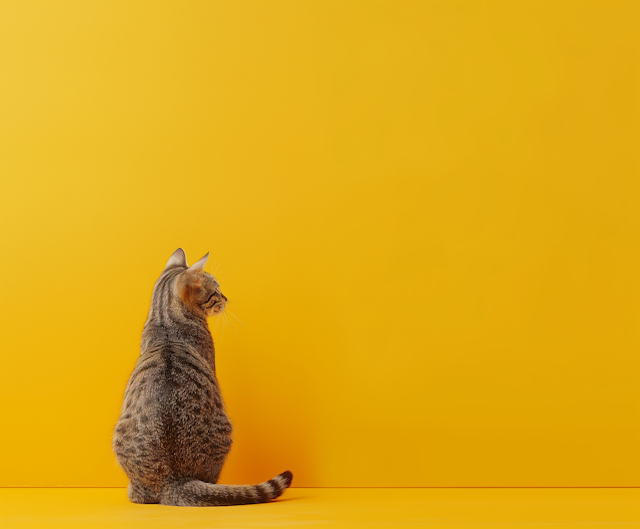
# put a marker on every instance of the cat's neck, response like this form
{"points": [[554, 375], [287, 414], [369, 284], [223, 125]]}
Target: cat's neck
{"points": [[187, 329]]}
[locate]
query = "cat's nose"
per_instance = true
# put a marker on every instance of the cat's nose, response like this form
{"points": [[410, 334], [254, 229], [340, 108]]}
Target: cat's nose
{"points": [[223, 296]]}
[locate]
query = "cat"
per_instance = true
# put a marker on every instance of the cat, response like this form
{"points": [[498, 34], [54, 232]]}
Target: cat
{"points": [[173, 434]]}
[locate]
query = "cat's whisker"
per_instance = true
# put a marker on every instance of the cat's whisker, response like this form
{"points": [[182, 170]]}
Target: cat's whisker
{"points": [[232, 325], [214, 274], [213, 264], [216, 326], [236, 317]]}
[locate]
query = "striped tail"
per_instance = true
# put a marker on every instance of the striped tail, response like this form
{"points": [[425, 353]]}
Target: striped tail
{"points": [[196, 493]]}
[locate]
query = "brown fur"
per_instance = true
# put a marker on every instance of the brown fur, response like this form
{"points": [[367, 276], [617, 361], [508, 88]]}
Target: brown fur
{"points": [[173, 434]]}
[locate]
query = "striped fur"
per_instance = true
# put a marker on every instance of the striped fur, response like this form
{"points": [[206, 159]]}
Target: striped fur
{"points": [[173, 435]]}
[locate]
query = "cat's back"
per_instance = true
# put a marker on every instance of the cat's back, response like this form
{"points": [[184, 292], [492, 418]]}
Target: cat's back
{"points": [[165, 379]]}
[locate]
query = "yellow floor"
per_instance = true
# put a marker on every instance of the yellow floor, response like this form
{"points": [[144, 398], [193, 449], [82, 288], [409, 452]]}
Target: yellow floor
{"points": [[445, 508]]}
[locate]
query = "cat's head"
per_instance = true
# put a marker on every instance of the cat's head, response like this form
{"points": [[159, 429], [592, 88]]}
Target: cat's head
{"points": [[196, 288]]}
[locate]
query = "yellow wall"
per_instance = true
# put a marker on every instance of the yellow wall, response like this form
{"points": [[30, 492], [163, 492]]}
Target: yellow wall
{"points": [[427, 214]]}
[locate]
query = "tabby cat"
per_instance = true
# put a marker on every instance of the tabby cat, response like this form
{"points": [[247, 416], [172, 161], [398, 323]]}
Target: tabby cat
{"points": [[173, 434]]}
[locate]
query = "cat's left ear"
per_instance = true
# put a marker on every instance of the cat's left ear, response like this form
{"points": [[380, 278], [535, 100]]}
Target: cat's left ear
{"points": [[199, 266], [178, 258]]}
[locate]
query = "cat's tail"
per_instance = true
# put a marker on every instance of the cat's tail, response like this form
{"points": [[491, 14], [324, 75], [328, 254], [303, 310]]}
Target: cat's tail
{"points": [[196, 493]]}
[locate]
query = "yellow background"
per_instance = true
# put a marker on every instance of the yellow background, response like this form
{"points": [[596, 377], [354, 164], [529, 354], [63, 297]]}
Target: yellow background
{"points": [[426, 214]]}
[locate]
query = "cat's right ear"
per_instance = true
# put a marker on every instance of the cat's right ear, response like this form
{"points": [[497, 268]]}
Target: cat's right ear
{"points": [[198, 267], [178, 258]]}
